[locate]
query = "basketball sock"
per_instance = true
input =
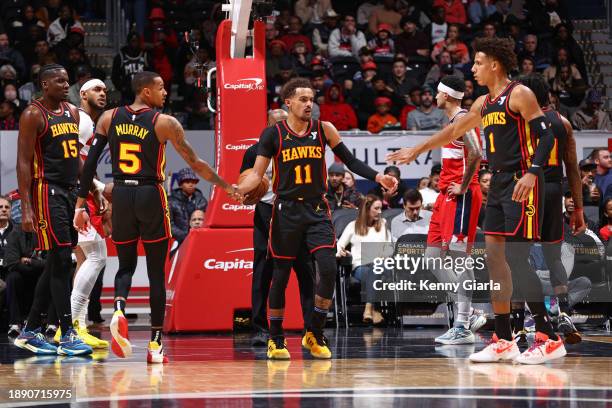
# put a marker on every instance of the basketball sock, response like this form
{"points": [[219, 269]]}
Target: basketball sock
{"points": [[128, 259], [564, 303], [120, 305], [502, 326], [276, 326], [518, 320], [156, 253], [60, 279], [79, 305], [463, 314], [86, 277], [317, 323], [156, 335]]}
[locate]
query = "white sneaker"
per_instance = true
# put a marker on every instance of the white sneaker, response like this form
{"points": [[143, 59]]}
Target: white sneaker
{"points": [[477, 320], [543, 350], [497, 350]]}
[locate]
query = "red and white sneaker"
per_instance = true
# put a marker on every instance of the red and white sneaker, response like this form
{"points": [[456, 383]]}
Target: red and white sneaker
{"points": [[119, 330], [497, 350], [155, 353], [543, 350]]}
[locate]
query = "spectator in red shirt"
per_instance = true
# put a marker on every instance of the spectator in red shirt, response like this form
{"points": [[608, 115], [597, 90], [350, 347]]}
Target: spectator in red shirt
{"points": [[606, 221], [162, 42], [336, 111], [294, 34], [455, 12], [382, 119]]}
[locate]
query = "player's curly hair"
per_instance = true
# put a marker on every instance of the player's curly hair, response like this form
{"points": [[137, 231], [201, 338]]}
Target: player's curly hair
{"points": [[500, 49], [288, 90]]}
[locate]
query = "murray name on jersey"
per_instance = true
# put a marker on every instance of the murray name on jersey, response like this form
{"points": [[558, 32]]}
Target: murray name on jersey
{"points": [[131, 129]]}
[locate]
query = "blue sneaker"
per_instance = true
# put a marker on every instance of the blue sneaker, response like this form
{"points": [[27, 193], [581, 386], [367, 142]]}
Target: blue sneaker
{"points": [[456, 335], [35, 341], [72, 345]]}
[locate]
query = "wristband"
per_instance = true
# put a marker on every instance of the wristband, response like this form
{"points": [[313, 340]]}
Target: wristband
{"points": [[535, 170], [77, 210], [98, 185]]}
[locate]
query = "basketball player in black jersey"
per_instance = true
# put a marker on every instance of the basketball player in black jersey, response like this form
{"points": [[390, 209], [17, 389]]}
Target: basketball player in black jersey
{"points": [[301, 213], [512, 122], [137, 136], [47, 174], [562, 153]]}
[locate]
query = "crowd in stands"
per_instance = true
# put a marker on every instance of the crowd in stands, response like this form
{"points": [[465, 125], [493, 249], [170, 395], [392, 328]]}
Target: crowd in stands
{"points": [[375, 65]]}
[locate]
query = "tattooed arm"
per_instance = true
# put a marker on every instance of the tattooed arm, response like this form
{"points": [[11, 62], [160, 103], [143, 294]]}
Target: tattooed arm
{"points": [[474, 155], [168, 128]]}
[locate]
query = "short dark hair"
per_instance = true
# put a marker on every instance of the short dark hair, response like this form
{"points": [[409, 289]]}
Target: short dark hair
{"points": [[500, 49], [538, 85], [400, 59], [392, 168], [412, 195], [454, 82], [143, 79], [483, 173], [47, 71], [595, 152], [288, 90]]}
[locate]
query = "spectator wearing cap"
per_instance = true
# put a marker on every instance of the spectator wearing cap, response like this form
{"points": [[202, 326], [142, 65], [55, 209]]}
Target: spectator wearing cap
{"points": [[82, 75], [346, 41], [335, 110], [312, 12], [427, 116], [412, 42], [441, 69], [11, 56], [590, 193], [382, 119], [9, 119], [161, 41], [184, 200], [387, 14], [382, 45], [454, 10], [458, 50], [590, 116], [294, 34], [59, 28], [391, 200], [321, 34], [338, 195], [132, 59], [276, 54]]}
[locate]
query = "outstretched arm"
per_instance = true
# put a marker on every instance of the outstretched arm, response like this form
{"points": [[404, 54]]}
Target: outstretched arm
{"points": [[171, 128], [355, 165], [453, 131], [30, 125]]}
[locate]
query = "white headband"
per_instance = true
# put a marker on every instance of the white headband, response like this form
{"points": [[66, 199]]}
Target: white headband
{"points": [[450, 91], [92, 83]]}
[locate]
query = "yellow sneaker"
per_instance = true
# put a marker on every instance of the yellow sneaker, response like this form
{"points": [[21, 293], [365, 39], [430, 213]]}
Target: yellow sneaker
{"points": [[58, 335], [277, 349], [317, 345], [90, 339]]}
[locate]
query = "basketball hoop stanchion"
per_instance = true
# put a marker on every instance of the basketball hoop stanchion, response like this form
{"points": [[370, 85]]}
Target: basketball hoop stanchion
{"points": [[210, 277]]}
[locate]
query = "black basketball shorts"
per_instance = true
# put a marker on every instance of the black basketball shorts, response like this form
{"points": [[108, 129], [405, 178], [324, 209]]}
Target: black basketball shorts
{"points": [[140, 212], [296, 222], [552, 226], [506, 217], [53, 207]]}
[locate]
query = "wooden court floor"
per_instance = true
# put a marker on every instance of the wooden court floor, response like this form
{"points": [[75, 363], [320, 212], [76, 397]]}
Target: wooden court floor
{"points": [[371, 368]]}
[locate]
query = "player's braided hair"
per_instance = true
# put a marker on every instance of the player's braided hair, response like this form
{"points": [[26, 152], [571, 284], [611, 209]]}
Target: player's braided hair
{"points": [[46, 71], [289, 88], [500, 49]]}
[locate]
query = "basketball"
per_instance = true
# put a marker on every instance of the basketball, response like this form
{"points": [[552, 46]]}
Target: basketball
{"points": [[253, 196]]}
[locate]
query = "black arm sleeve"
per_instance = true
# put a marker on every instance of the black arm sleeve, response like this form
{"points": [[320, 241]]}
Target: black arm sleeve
{"points": [[546, 141], [354, 164], [268, 142], [89, 169], [248, 160]]}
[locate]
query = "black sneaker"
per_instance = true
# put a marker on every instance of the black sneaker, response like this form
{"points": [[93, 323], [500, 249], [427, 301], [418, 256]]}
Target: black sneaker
{"points": [[566, 326], [521, 338], [14, 330], [259, 339]]}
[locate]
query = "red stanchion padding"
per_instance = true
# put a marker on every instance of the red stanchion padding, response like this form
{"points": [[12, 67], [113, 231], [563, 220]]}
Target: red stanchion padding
{"points": [[210, 278], [240, 118]]}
